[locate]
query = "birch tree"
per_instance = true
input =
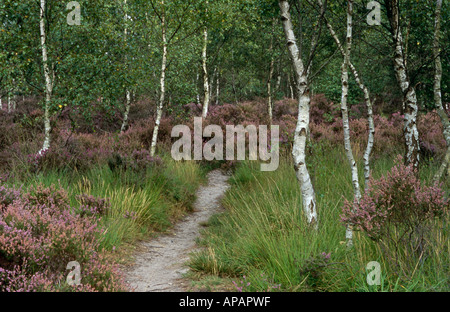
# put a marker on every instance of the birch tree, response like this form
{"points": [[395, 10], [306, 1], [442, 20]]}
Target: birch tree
{"points": [[410, 108], [178, 13], [367, 101], [437, 92], [269, 79], [302, 127], [47, 75], [206, 94], [345, 119], [159, 109], [11, 99], [217, 85], [127, 91]]}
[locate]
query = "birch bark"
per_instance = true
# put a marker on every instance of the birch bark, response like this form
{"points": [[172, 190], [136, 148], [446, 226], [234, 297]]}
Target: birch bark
{"points": [[410, 107], [197, 95], [159, 109], [302, 128], [217, 87], [205, 73], [269, 79], [128, 95], [48, 79], [206, 93], [345, 119]]}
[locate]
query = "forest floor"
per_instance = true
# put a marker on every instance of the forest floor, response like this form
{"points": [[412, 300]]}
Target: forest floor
{"points": [[160, 264]]}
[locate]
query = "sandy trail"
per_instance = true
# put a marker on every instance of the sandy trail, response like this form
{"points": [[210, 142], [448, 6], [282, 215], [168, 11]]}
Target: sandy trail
{"points": [[161, 265]]}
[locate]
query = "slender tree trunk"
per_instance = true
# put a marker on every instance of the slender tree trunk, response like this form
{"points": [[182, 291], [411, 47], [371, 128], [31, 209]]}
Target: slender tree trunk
{"points": [[269, 92], [345, 119], [9, 102], [277, 87], [410, 107], [196, 88], [368, 103], [302, 128], [159, 109], [269, 79], [205, 74], [48, 80], [437, 91], [127, 92], [127, 111], [217, 87]]}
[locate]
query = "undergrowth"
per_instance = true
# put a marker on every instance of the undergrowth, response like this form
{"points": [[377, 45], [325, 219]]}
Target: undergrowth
{"points": [[264, 237]]}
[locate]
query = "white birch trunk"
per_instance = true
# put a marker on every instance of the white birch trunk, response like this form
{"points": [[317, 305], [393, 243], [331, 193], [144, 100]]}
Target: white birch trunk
{"points": [[410, 131], [277, 88], [371, 137], [48, 80], [127, 111], [217, 87], [205, 73], [437, 91], [345, 119], [269, 79], [9, 102], [269, 92], [302, 128], [196, 88], [159, 109], [128, 95]]}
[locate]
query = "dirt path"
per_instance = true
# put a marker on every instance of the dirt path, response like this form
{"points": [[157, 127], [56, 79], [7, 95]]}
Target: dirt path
{"points": [[161, 265]]}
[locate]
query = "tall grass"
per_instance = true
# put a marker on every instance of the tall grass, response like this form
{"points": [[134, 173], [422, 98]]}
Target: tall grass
{"points": [[264, 236]]}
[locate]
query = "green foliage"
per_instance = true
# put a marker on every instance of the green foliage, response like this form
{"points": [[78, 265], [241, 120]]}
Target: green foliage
{"points": [[92, 72]]}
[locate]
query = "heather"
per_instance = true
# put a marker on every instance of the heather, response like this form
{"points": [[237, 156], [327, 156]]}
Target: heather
{"points": [[40, 234], [80, 148], [400, 213]]}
